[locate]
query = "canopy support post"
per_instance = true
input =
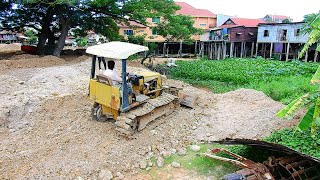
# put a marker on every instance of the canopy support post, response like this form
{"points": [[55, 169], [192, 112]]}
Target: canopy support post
{"points": [[125, 95], [93, 67]]}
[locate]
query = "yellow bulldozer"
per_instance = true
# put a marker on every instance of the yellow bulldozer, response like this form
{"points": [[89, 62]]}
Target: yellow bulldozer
{"points": [[138, 100]]}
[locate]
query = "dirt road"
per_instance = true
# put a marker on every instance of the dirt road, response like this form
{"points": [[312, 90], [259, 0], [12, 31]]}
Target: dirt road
{"points": [[47, 132]]}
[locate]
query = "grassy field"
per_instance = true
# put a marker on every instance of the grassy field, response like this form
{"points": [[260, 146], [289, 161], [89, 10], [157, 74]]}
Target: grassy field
{"points": [[282, 81]]}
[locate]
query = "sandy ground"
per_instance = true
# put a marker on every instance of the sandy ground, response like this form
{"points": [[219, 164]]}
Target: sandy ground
{"points": [[47, 132]]}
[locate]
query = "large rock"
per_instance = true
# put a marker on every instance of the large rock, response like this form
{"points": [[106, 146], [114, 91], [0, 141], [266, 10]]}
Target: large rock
{"points": [[143, 164], [195, 148], [182, 152], [175, 164], [119, 175], [105, 174], [160, 161]]}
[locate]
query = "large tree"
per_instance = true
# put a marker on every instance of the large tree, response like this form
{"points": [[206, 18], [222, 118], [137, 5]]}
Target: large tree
{"points": [[54, 18]]}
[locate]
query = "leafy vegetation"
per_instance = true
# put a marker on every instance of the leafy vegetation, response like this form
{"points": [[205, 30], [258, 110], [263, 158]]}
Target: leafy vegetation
{"points": [[299, 141], [54, 18], [311, 100], [282, 81]]}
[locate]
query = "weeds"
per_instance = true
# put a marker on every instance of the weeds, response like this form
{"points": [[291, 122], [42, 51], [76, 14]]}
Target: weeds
{"points": [[282, 81]]}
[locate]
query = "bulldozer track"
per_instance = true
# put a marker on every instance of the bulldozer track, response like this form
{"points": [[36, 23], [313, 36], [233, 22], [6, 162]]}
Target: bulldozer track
{"points": [[136, 119]]}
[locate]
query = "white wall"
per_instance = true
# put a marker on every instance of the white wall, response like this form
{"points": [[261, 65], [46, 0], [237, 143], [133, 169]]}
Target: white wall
{"points": [[274, 33]]}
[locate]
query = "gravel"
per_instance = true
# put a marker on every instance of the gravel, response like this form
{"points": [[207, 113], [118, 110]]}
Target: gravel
{"points": [[47, 132]]}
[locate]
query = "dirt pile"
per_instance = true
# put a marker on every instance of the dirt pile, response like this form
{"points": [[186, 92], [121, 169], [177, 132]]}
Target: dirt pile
{"points": [[30, 61], [47, 131], [10, 47]]}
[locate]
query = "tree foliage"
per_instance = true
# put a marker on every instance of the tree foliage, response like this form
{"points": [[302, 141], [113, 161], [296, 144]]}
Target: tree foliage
{"points": [[54, 18], [312, 27]]}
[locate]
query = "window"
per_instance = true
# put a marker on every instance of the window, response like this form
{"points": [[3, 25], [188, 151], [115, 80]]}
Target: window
{"points": [[128, 32], [156, 20], [265, 33], [203, 24], [283, 35], [154, 32], [297, 32]]}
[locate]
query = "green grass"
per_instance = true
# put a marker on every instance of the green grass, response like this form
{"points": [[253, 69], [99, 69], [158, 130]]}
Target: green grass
{"points": [[282, 81], [202, 165], [299, 141]]}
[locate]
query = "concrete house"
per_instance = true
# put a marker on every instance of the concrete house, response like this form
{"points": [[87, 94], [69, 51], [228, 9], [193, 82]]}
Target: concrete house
{"points": [[284, 40]]}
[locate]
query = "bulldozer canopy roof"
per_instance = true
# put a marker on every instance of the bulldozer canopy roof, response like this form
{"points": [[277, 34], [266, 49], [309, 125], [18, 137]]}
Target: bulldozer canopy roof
{"points": [[116, 50]]}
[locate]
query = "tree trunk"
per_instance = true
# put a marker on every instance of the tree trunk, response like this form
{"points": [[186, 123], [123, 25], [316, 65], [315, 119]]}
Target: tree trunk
{"points": [[61, 41], [43, 36], [64, 23]]}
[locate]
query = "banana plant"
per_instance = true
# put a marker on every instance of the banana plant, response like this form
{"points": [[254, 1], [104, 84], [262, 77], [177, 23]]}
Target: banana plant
{"points": [[311, 101]]}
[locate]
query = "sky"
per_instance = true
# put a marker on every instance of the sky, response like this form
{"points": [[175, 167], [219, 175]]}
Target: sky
{"points": [[296, 9]]}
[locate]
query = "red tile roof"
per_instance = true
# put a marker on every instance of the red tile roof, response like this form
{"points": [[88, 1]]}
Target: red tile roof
{"points": [[187, 9], [244, 22]]}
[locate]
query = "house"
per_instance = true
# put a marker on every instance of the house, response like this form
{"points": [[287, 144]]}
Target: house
{"points": [[276, 18], [7, 36], [284, 40], [236, 37], [132, 28], [203, 19]]}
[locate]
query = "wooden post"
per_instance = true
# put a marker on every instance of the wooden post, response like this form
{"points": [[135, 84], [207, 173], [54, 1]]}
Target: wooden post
{"points": [[224, 50], [180, 49], [252, 49], [257, 46], [219, 51], [195, 48], [202, 49], [215, 51], [241, 53], [235, 50], [231, 49], [288, 50], [315, 56], [306, 56], [244, 50], [211, 50], [164, 49], [271, 49], [264, 50]]}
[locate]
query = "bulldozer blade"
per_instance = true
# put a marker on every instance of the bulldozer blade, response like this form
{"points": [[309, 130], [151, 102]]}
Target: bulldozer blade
{"points": [[187, 99]]}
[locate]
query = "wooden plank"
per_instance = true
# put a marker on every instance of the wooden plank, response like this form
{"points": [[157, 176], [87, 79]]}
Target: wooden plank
{"points": [[271, 50], [315, 56], [287, 52]]}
